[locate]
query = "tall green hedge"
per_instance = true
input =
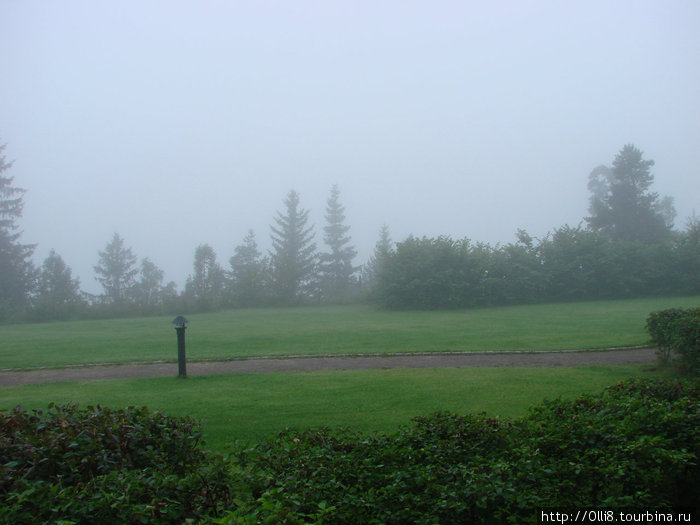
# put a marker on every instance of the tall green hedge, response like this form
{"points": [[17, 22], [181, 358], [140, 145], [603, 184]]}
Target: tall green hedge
{"points": [[676, 332], [569, 264]]}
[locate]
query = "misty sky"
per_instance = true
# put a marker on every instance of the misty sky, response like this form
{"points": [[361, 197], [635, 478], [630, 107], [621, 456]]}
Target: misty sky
{"points": [[177, 123]]}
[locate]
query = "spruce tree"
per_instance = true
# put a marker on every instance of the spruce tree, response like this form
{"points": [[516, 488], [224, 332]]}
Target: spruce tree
{"points": [[293, 254], [382, 249], [17, 273], [336, 268]]}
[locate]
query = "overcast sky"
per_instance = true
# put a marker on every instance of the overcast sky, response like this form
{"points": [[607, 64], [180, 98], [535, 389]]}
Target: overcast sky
{"points": [[177, 123]]}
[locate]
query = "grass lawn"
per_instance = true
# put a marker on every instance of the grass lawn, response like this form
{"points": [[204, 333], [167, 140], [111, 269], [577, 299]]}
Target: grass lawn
{"points": [[245, 407], [333, 330]]}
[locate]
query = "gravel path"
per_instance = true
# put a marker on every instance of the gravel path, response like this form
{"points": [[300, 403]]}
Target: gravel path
{"points": [[631, 356]]}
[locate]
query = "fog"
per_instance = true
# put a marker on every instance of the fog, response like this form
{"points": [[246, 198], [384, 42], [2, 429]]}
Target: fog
{"points": [[177, 123]]}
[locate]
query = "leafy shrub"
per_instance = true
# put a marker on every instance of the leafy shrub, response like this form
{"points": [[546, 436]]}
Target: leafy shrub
{"points": [[660, 326], [687, 341], [636, 445], [436, 469], [107, 466], [677, 331]]}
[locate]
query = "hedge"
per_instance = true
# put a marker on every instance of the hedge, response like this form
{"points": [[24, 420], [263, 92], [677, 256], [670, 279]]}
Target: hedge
{"points": [[635, 445], [100, 465], [676, 332]]}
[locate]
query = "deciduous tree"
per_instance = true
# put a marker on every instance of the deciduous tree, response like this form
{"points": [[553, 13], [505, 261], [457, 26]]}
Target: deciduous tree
{"points": [[148, 290], [248, 273], [621, 204], [430, 274], [58, 293], [206, 285], [687, 249], [116, 270]]}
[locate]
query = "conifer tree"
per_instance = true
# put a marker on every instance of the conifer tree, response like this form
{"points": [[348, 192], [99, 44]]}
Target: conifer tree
{"points": [[17, 273], [336, 268], [373, 267], [293, 254]]}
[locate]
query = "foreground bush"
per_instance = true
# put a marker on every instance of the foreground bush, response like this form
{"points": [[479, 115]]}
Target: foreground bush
{"points": [[676, 332], [634, 446], [98, 465]]}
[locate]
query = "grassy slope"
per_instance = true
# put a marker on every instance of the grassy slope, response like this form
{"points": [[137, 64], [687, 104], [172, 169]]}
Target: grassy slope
{"points": [[247, 406], [333, 330]]}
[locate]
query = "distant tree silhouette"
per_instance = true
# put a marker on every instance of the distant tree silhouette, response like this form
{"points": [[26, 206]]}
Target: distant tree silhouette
{"points": [[58, 293], [205, 287], [17, 273], [621, 204], [336, 269], [382, 249], [116, 270], [147, 291], [293, 254], [248, 273]]}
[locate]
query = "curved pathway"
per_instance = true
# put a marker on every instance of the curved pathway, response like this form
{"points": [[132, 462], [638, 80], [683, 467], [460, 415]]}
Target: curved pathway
{"points": [[615, 356]]}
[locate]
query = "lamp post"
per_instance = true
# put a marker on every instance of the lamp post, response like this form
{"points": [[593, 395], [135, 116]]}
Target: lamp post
{"points": [[180, 325]]}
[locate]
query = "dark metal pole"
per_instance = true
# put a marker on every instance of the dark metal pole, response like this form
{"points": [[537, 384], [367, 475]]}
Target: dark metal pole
{"points": [[181, 361]]}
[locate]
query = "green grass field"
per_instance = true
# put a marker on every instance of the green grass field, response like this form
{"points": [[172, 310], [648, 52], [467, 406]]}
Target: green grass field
{"points": [[332, 330], [245, 407]]}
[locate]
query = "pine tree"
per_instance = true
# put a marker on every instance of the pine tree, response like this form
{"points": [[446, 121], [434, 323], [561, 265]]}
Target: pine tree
{"points": [[17, 273], [293, 254], [336, 268]]}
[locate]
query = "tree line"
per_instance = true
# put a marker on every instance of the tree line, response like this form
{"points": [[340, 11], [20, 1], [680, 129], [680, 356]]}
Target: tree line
{"points": [[626, 248], [569, 264], [294, 272]]}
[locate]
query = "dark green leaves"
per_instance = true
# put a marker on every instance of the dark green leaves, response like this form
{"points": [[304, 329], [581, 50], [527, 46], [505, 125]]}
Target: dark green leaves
{"points": [[676, 332], [635, 445], [100, 465]]}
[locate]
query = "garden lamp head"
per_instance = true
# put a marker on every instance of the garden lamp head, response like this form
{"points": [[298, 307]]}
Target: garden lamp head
{"points": [[180, 322]]}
